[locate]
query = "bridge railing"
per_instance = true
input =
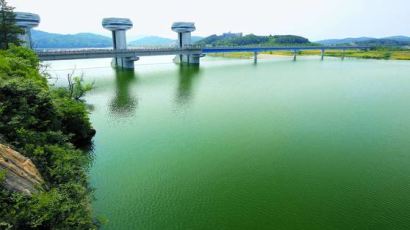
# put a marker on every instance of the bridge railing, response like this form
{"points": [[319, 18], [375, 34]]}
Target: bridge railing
{"points": [[80, 51]]}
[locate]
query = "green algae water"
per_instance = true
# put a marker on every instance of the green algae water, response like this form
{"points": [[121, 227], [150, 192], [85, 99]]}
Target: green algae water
{"points": [[233, 145]]}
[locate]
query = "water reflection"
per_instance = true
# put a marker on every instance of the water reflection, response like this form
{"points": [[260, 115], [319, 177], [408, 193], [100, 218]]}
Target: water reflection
{"points": [[124, 103], [187, 76]]}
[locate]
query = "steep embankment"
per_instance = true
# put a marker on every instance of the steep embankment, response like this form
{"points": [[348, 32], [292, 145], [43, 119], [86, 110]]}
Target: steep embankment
{"points": [[20, 174]]}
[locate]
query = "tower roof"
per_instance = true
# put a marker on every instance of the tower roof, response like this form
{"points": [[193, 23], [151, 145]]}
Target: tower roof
{"points": [[183, 27], [28, 20], [117, 23]]}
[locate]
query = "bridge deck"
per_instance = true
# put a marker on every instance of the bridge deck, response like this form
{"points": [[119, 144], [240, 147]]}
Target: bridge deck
{"points": [[134, 53], [110, 53]]}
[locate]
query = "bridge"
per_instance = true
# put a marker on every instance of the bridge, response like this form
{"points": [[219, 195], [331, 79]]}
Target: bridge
{"points": [[190, 51], [132, 54], [123, 57]]}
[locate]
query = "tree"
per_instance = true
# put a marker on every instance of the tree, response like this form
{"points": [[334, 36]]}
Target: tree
{"points": [[76, 87], [9, 31]]}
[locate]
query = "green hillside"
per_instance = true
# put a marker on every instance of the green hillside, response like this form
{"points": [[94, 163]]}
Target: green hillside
{"points": [[82, 40], [251, 39]]}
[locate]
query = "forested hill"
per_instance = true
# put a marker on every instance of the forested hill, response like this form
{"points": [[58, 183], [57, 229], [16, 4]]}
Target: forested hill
{"points": [[231, 39], [82, 40]]}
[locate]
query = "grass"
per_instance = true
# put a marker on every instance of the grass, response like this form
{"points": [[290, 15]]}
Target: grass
{"points": [[371, 54]]}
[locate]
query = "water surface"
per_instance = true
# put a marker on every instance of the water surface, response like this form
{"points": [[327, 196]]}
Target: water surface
{"points": [[232, 145]]}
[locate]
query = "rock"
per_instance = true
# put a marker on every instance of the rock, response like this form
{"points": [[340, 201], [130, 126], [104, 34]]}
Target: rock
{"points": [[21, 174]]}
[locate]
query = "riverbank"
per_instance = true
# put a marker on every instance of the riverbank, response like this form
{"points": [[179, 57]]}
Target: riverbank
{"points": [[372, 54]]}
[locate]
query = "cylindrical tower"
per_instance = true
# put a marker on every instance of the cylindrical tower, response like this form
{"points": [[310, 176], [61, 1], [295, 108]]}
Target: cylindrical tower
{"points": [[184, 30], [27, 21], [119, 26]]}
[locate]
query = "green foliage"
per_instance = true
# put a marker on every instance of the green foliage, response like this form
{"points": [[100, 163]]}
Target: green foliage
{"points": [[71, 114], [289, 39], [46, 125], [20, 63], [77, 88], [384, 43], [2, 175], [9, 31], [25, 55], [254, 40]]}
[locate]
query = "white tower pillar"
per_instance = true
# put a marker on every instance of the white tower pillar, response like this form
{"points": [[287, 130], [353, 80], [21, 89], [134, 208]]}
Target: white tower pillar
{"points": [[184, 30], [119, 26], [27, 21]]}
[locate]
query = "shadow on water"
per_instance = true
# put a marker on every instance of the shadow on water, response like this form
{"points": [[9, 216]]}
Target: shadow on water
{"points": [[124, 103], [187, 75]]}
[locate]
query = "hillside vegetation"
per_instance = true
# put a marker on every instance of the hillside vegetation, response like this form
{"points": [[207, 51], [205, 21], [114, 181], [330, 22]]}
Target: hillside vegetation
{"points": [[251, 39], [83, 40], [48, 125]]}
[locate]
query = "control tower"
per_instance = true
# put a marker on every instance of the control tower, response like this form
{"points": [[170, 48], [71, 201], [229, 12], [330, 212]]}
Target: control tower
{"points": [[184, 30], [119, 26], [27, 21]]}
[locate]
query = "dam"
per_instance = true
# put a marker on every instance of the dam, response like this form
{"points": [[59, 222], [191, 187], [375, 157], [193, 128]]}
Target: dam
{"points": [[185, 52]]}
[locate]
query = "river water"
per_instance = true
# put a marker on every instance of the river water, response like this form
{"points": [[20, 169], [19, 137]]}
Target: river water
{"points": [[233, 145]]}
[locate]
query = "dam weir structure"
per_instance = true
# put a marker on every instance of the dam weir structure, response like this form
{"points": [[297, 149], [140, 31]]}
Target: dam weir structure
{"points": [[184, 51], [184, 30], [26, 21], [118, 27]]}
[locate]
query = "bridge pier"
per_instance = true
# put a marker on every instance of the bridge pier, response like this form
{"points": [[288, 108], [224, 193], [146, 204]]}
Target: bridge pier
{"points": [[322, 54], [118, 27], [187, 59], [124, 63], [184, 30], [27, 21]]}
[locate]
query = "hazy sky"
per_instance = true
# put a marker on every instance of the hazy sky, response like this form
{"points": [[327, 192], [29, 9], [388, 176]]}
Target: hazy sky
{"points": [[314, 19]]}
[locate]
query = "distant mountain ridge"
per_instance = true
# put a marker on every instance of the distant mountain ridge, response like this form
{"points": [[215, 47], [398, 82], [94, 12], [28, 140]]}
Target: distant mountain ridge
{"points": [[387, 41], [343, 40], [45, 40]]}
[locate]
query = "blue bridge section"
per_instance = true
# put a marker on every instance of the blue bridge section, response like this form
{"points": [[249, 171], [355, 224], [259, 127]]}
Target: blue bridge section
{"points": [[278, 48]]}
